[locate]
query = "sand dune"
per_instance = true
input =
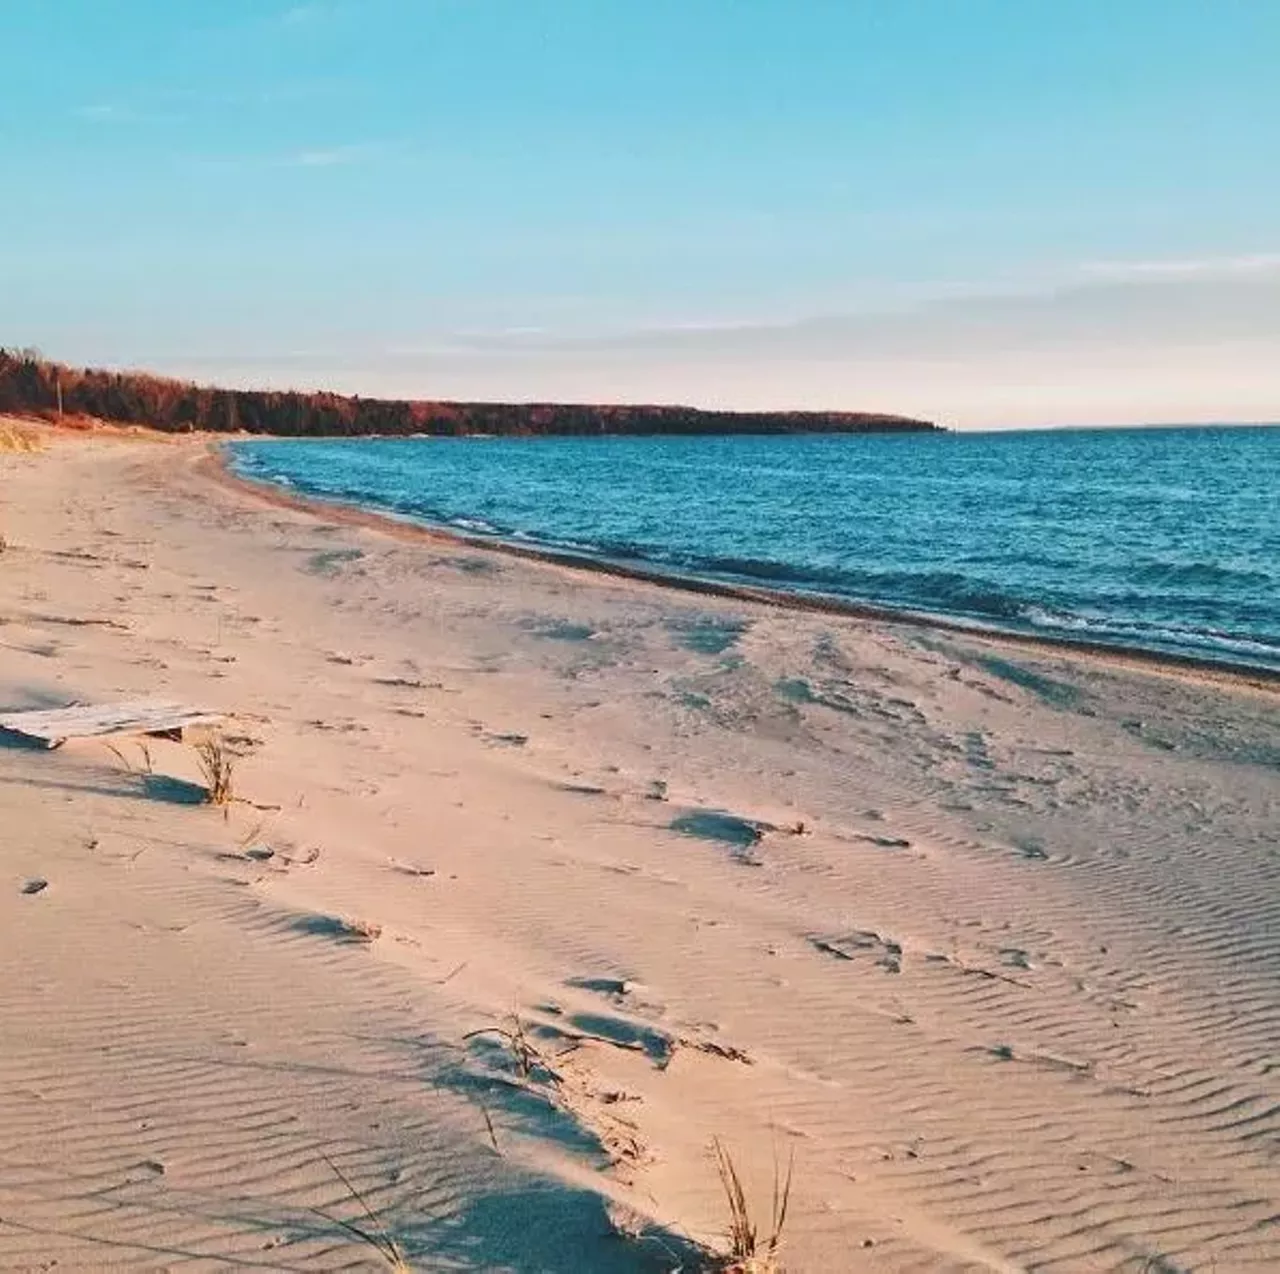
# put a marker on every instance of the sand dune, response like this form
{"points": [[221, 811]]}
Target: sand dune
{"points": [[985, 935]]}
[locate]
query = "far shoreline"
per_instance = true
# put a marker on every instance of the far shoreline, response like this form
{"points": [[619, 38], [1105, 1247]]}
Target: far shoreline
{"points": [[215, 466]]}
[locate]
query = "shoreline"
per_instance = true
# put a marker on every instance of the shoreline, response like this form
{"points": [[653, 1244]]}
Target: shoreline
{"points": [[218, 468]]}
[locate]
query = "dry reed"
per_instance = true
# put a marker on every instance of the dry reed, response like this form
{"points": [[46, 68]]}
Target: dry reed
{"points": [[750, 1251], [526, 1057], [375, 1235], [144, 768], [217, 769]]}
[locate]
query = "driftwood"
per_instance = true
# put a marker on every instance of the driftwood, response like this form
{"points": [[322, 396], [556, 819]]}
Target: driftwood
{"points": [[103, 720]]}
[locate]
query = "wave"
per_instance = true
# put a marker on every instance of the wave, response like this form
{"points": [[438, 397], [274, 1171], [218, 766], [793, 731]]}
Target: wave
{"points": [[477, 525], [946, 590], [1133, 632], [1206, 575], [1198, 607]]}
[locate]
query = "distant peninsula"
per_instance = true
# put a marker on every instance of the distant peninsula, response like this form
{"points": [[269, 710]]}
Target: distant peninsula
{"points": [[33, 385]]}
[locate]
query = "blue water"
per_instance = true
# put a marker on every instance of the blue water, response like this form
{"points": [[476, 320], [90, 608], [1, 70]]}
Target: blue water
{"points": [[1165, 539]]}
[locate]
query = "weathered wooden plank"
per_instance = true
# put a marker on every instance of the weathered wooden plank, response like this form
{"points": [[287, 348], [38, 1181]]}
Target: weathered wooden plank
{"points": [[95, 721]]}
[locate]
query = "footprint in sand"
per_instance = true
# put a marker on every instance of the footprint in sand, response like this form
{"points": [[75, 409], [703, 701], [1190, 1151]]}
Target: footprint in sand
{"points": [[1031, 848], [656, 1044], [863, 942], [339, 928], [559, 630], [612, 987], [508, 740], [742, 835], [330, 563], [413, 869]]}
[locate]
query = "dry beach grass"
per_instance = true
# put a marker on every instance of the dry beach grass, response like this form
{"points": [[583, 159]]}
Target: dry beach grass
{"points": [[15, 436]]}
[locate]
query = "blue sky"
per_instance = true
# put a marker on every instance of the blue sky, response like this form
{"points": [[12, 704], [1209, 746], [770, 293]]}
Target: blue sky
{"points": [[988, 211]]}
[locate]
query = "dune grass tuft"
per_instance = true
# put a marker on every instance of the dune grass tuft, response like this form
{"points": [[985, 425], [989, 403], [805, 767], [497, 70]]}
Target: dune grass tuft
{"points": [[217, 768], [750, 1250], [527, 1059]]}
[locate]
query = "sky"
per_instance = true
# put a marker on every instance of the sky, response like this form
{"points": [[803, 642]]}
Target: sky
{"points": [[988, 212]]}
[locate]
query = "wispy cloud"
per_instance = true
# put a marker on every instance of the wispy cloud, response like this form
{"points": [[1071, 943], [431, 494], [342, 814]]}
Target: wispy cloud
{"points": [[312, 158], [1159, 347], [307, 15], [107, 113], [298, 18], [1185, 267], [119, 114], [1151, 311], [333, 156], [322, 158]]}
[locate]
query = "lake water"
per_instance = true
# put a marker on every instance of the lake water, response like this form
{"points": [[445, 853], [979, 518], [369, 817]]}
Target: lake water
{"points": [[1166, 539]]}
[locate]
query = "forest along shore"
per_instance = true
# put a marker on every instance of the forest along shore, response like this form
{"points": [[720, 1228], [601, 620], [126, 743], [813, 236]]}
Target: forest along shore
{"points": [[537, 883], [32, 384]]}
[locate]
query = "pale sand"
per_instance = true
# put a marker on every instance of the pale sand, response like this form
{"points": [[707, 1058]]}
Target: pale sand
{"points": [[1039, 1034]]}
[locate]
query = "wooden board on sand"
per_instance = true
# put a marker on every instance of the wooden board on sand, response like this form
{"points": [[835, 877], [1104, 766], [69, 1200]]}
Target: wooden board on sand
{"points": [[101, 720]]}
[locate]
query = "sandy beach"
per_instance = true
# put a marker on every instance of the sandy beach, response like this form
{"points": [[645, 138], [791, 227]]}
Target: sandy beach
{"points": [[543, 881]]}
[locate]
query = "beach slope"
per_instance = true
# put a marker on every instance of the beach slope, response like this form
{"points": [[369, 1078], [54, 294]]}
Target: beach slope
{"points": [[538, 882]]}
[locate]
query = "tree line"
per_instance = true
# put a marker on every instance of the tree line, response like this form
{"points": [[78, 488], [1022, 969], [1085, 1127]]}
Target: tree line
{"points": [[33, 385]]}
